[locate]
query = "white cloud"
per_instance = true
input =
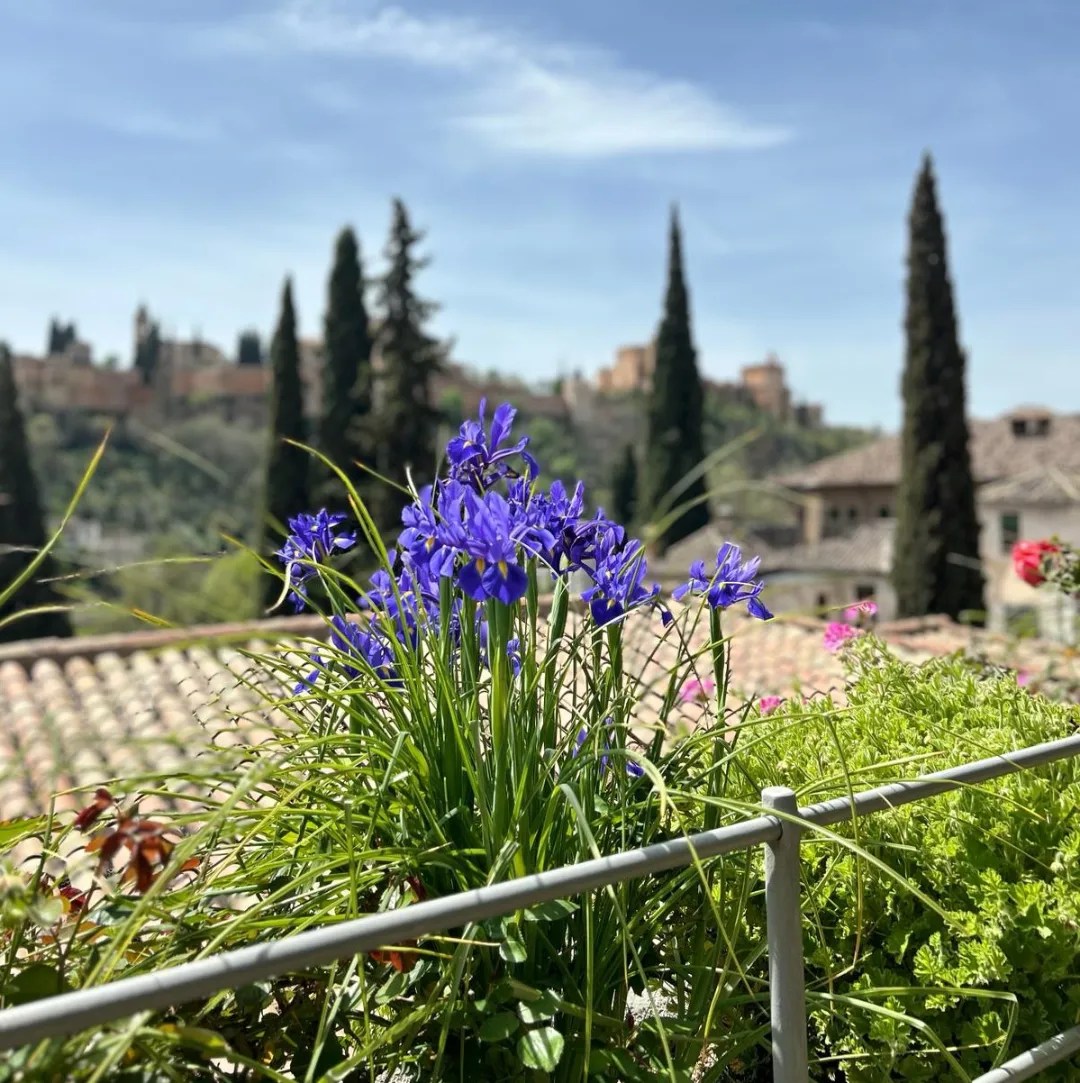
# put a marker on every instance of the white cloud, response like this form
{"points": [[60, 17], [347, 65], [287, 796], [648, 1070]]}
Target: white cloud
{"points": [[517, 95]]}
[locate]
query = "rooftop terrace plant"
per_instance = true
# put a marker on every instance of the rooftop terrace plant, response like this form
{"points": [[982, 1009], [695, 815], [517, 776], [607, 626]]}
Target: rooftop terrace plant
{"points": [[472, 715]]}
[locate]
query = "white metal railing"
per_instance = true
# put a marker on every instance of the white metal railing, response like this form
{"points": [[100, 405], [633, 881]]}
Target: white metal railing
{"points": [[780, 832]]}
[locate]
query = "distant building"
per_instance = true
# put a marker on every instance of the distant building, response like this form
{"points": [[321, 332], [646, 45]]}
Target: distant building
{"points": [[767, 387], [763, 385], [632, 371], [1026, 466]]}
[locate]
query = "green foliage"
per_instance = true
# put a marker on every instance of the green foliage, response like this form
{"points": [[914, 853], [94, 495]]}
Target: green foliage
{"points": [[942, 936], [991, 967], [176, 483], [936, 548], [408, 418], [674, 416], [168, 586], [344, 430], [22, 528], [287, 465]]}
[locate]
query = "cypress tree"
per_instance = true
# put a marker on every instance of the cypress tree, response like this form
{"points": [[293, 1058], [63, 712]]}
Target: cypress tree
{"points": [[148, 354], [936, 545], [624, 484], [249, 348], [287, 466], [408, 418], [675, 444], [22, 524], [347, 380]]}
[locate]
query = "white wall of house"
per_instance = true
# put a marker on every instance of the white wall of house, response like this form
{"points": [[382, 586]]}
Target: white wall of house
{"points": [[808, 593], [1007, 596]]}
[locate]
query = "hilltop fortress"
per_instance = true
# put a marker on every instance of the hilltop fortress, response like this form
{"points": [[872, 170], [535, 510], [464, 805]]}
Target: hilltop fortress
{"points": [[172, 378]]}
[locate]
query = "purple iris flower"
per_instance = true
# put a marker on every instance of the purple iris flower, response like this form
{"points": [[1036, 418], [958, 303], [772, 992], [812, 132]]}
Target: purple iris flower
{"points": [[402, 604], [731, 583], [635, 770], [312, 540], [365, 644], [617, 578], [494, 538], [429, 536], [513, 647], [354, 641], [475, 456]]}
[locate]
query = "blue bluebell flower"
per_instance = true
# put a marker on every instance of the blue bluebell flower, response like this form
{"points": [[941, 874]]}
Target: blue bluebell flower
{"points": [[731, 583], [475, 457], [312, 540]]}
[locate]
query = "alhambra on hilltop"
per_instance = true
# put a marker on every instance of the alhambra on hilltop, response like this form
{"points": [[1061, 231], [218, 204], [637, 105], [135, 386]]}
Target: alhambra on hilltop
{"points": [[195, 376]]}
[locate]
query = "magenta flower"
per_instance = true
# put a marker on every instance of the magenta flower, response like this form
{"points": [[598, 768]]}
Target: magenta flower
{"points": [[837, 634], [768, 704], [695, 691], [865, 608], [1023, 678]]}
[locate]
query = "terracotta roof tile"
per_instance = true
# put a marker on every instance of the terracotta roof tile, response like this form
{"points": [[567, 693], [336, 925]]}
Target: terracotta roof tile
{"points": [[996, 452], [80, 712]]}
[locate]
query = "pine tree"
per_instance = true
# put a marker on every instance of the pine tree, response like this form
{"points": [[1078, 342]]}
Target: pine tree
{"points": [[624, 485], [287, 466], [408, 419], [22, 525], [675, 445], [936, 544], [347, 381]]}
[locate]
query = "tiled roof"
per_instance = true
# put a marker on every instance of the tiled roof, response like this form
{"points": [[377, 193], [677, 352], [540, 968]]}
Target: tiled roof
{"points": [[996, 452], [1044, 487], [703, 545], [79, 712], [865, 550]]}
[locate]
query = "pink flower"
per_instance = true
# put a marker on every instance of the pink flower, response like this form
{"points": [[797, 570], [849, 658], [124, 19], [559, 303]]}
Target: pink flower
{"points": [[768, 704], [695, 691], [837, 634], [866, 608], [1023, 677]]}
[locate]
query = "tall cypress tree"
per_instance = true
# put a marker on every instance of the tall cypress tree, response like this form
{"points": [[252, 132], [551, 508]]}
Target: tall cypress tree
{"points": [[624, 486], [936, 545], [408, 419], [287, 466], [22, 524], [675, 439], [347, 380]]}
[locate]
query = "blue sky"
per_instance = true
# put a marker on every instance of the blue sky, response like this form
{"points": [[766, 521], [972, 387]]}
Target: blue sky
{"points": [[190, 153]]}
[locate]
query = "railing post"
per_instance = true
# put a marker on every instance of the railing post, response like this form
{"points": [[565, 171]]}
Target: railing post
{"points": [[783, 915]]}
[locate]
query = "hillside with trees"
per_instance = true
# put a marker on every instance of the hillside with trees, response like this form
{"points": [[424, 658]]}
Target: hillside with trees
{"points": [[174, 501]]}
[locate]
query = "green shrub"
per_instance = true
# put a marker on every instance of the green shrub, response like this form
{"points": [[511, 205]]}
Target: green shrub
{"points": [[991, 964]]}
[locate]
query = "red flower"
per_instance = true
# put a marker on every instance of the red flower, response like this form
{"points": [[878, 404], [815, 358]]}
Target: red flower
{"points": [[1029, 560]]}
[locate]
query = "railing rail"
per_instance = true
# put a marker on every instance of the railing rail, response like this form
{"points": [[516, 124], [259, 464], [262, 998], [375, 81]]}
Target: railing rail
{"points": [[780, 831]]}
